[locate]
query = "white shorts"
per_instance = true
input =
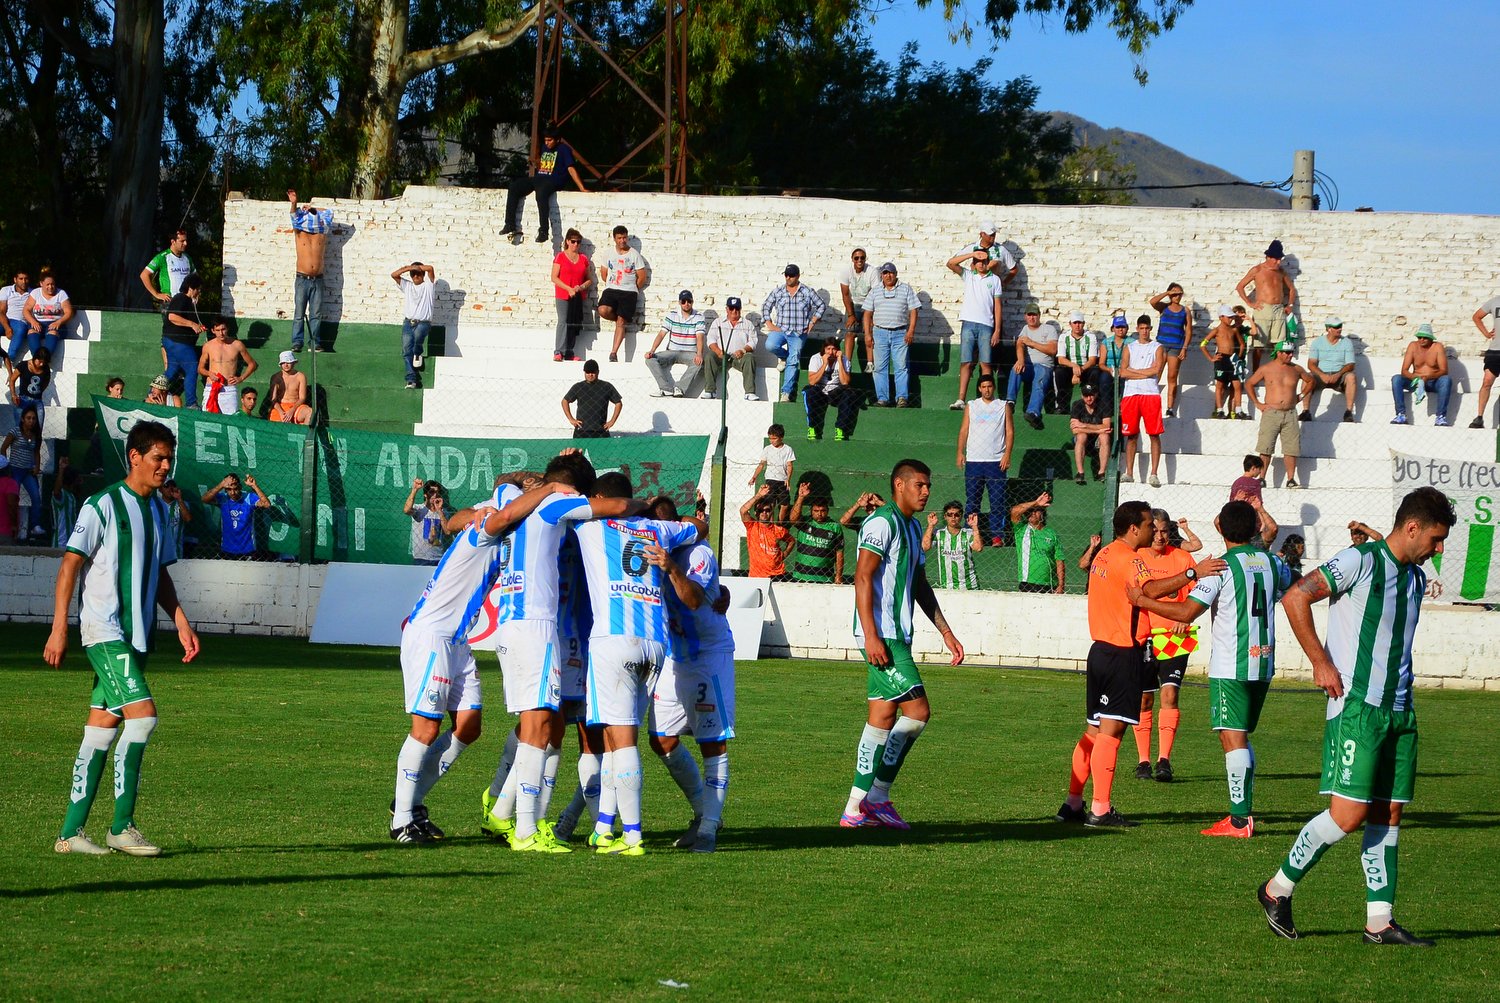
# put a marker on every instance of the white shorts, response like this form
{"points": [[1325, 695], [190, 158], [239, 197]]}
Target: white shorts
{"points": [[574, 660], [622, 671], [528, 660], [697, 702], [229, 399], [439, 673], [674, 698]]}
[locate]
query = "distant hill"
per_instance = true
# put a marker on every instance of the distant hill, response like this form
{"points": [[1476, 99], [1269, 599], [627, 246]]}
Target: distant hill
{"points": [[1159, 164]]}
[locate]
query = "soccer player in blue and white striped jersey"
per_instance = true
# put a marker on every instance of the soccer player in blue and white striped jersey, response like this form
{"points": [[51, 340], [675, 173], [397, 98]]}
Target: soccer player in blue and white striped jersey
{"points": [[626, 647], [1370, 741], [436, 662]]}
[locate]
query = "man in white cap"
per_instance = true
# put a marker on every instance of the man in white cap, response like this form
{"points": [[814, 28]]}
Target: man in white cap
{"points": [[1077, 362], [1424, 367], [1002, 262], [1330, 363]]}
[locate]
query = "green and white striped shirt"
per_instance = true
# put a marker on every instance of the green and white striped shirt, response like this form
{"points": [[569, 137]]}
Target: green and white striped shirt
{"points": [[897, 538], [122, 537], [955, 564], [1372, 618], [1242, 600]]}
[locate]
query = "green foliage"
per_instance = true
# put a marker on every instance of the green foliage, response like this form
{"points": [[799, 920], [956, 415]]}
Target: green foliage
{"points": [[1098, 174], [268, 779]]}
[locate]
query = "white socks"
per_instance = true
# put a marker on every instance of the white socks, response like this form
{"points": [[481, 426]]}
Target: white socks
{"points": [[684, 769], [408, 774], [440, 756], [527, 773], [715, 787], [627, 777]]}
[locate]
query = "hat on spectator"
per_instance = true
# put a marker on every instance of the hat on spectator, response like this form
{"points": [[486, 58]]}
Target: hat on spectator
{"points": [[1031, 308], [1119, 321], [286, 357], [1226, 310], [160, 383], [791, 271], [1274, 251], [1425, 331], [591, 366], [1077, 317], [988, 226], [889, 266], [1285, 346], [732, 303], [1333, 322], [686, 296]]}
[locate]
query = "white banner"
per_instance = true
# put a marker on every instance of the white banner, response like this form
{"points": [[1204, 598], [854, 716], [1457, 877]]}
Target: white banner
{"points": [[1467, 568]]}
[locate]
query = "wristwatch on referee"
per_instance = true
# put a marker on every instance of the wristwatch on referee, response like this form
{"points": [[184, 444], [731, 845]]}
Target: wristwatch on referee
{"points": [[1192, 574]]}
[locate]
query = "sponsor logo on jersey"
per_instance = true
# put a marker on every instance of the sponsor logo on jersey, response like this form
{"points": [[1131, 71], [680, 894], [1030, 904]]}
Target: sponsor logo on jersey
{"points": [[512, 582], [442, 679], [639, 532], [635, 592]]}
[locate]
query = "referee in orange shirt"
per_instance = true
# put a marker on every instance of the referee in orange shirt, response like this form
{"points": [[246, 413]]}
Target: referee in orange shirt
{"points": [[1121, 634]]}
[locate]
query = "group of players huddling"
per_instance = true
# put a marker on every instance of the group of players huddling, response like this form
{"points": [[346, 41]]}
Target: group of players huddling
{"points": [[606, 603]]}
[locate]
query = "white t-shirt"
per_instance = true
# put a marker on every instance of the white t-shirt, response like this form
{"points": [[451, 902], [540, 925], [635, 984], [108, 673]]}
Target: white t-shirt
{"points": [[1139, 356], [45, 308], [620, 268], [987, 424], [418, 297], [980, 293], [859, 283], [14, 301], [731, 337], [777, 459]]}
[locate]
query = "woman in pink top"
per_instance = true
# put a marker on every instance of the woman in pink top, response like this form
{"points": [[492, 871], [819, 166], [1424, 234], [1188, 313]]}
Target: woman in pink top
{"points": [[571, 277]]}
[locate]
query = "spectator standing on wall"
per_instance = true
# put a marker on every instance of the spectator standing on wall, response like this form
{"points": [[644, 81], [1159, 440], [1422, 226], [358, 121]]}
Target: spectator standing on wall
{"points": [[891, 326], [1272, 299], [1140, 401], [572, 274], [978, 318], [1490, 309], [417, 284], [164, 274], [180, 328], [624, 274], [47, 311], [593, 397], [1077, 362], [1286, 384], [219, 365], [789, 314], [1174, 333], [1424, 368], [428, 541], [1033, 365], [985, 437], [236, 514], [683, 331], [310, 229], [730, 341], [767, 540], [819, 540], [555, 164], [1330, 364], [855, 283], [288, 393]]}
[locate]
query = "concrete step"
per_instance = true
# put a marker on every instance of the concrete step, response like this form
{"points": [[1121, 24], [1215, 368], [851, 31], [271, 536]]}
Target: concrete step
{"points": [[1185, 470], [1327, 438]]}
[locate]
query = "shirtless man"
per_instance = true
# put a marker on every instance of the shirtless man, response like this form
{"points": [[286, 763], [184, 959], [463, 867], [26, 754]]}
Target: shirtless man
{"points": [[1228, 342], [1274, 297], [1286, 385], [288, 393], [310, 229], [1424, 367], [219, 364]]}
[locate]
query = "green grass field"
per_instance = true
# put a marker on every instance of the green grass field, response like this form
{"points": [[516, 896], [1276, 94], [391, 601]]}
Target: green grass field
{"points": [[268, 779]]}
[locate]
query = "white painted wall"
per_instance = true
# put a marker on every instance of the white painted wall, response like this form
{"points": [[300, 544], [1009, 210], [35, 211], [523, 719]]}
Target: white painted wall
{"points": [[1454, 646]]}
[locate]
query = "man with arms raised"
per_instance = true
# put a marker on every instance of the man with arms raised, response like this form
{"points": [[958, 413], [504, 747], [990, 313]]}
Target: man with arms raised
{"points": [[121, 546], [888, 581], [219, 365], [978, 318], [310, 229], [1243, 599], [1370, 741]]}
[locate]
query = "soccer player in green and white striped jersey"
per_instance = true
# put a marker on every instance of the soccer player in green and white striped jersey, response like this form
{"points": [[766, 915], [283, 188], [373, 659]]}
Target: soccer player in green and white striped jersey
{"points": [[1243, 599], [1370, 741], [119, 545], [956, 544], [888, 581]]}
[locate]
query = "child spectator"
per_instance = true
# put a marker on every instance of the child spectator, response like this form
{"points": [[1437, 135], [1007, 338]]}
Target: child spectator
{"points": [[768, 542], [23, 449], [1248, 486], [1229, 346], [956, 546], [776, 461], [65, 494], [1293, 549], [29, 382], [427, 538], [289, 393]]}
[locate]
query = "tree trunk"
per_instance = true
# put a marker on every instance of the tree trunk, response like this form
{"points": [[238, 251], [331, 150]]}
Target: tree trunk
{"points": [[135, 145], [375, 137]]}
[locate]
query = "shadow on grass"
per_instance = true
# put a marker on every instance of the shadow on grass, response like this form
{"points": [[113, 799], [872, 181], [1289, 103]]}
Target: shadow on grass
{"points": [[812, 837], [232, 881]]}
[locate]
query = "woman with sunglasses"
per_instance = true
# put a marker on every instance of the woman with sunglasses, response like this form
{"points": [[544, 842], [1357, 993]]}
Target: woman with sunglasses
{"points": [[572, 274]]}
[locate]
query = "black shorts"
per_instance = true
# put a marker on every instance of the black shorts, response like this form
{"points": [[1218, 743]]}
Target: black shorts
{"points": [[1224, 370], [621, 302], [778, 494], [1114, 683], [1492, 362], [1167, 671]]}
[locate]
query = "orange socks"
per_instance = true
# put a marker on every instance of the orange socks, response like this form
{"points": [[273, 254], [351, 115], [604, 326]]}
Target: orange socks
{"points": [[1169, 719], [1080, 776], [1143, 736], [1102, 763]]}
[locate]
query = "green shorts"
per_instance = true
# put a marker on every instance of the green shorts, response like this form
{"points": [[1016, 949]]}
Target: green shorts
{"points": [[898, 681], [119, 675], [1234, 704], [1370, 754]]}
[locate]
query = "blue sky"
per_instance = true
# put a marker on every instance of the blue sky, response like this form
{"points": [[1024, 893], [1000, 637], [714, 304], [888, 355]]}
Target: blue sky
{"points": [[1399, 100]]}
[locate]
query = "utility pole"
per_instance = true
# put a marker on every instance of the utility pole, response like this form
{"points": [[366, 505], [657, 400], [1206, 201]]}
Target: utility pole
{"points": [[1302, 180]]}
